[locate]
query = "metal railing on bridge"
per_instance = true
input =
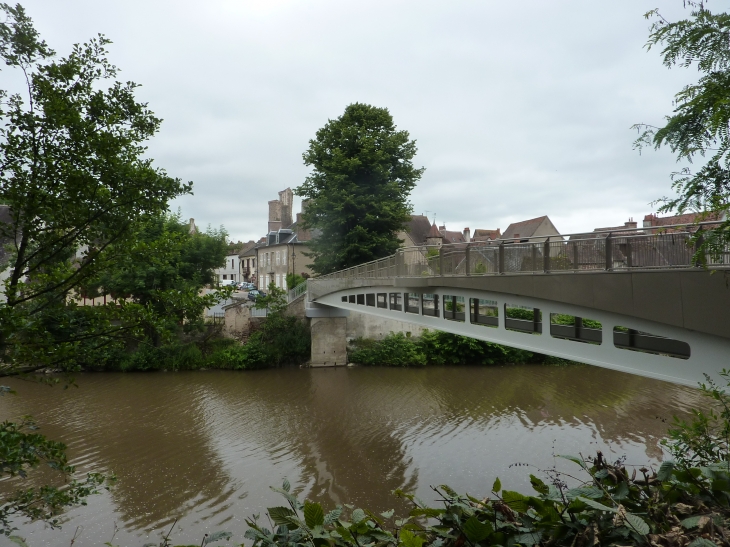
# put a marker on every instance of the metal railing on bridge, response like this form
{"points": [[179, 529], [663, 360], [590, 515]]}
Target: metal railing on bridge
{"points": [[560, 253]]}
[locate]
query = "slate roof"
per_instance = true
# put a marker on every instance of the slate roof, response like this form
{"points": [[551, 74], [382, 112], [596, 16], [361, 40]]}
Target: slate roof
{"points": [[525, 228], [417, 228], [249, 249], [452, 237]]}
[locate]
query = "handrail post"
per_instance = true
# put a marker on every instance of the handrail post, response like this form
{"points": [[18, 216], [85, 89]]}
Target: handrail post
{"points": [[546, 256], [609, 252], [441, 260], [399, 263], [576, 264], [467, 259], [533, 247], [501, 257], [629, 258]]}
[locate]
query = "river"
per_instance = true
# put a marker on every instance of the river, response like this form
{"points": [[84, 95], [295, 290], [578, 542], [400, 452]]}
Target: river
{"points": [[204, 447]]}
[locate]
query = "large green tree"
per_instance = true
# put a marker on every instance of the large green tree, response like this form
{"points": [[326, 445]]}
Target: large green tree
{"points": [[76, 180], [74, 173], [698, 130], [362, 176]]}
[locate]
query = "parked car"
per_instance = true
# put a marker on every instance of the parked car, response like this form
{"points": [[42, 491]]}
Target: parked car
{"points": [[248, 286], [253, 294]]}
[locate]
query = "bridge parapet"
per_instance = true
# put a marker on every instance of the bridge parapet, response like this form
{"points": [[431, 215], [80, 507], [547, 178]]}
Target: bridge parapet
{"points": [[650, 276]]}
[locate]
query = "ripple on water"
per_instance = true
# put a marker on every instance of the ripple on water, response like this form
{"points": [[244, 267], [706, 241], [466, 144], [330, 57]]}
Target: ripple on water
{"points": [[205, 447]]}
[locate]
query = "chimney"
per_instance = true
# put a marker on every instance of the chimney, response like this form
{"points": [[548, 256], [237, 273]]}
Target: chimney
{"points": [[630, 224], [649, 220], [467, 235]]}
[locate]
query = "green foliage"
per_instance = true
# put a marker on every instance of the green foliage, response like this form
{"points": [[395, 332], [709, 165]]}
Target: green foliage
{"points": [[705, 440], [358, 189], [563, 319], [443, 348], [395, 350], [522, 313], [698, 126], [251, 355], [432, 348], [282, 338], [75, 177], [293, 280], [610, 506], [480, 268]]}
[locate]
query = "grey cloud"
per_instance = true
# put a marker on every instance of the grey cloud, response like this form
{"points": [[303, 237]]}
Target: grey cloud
{"points": [[519, 109]]}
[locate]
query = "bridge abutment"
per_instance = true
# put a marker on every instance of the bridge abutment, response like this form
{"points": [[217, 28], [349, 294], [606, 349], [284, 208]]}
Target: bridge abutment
{"points": [[329, 341]]}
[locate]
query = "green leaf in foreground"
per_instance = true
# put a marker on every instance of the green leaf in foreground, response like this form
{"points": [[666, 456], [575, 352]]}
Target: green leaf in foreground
{"points": [[313, 514], [476, 531]]}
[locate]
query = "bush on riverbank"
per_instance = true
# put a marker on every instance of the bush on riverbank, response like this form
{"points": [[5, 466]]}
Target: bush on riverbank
{"points": [[434, 348]]}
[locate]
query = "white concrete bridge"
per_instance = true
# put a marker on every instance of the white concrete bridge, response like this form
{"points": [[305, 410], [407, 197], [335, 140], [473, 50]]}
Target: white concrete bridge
{"points": [[634, 303]]}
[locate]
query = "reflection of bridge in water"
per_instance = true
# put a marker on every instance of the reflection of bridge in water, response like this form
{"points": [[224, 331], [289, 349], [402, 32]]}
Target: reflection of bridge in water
{"points": [[635, 303]]}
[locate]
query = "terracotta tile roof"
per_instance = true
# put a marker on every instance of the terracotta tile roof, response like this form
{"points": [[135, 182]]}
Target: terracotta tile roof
{"points": [[651, 220], [486, 235]]}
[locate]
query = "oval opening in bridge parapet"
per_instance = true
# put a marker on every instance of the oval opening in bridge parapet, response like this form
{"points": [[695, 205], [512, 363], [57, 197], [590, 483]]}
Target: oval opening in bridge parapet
{"points": [[634, 340]]}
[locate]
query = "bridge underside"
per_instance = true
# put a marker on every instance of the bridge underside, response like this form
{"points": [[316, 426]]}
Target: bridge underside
{"points": [[595, 336]]}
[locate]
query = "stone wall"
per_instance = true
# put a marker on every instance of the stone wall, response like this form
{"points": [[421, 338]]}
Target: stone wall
{"points": [[237, 322], [329, 345]]}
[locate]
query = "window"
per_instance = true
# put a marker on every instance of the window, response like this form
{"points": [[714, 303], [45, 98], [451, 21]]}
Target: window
{"points": [[522, 319], [361, 299], [225, 276], [370, 299], [382, 300], [278, 258], [430, 304], [283, 257], [483, 312], [351, 299], [396, 300], [578, 329], [454, 308], [635, 340], [233, 267], [412, 300]]}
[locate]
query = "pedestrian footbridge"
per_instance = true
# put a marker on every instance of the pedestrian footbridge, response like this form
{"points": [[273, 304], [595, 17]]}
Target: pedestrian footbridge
{"points": [[638, 304]]}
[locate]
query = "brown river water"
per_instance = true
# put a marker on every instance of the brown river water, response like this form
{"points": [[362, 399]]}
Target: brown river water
{"points": [[204, 447]]}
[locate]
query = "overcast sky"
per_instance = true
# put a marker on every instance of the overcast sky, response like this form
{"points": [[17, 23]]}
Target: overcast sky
{"points": [[519, 108]]}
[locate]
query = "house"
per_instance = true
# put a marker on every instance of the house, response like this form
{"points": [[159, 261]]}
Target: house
{"points": [[686, 221], [230, 271], [486, 235], [418, 230], [521, 232], [282, 250], [247, 262]]}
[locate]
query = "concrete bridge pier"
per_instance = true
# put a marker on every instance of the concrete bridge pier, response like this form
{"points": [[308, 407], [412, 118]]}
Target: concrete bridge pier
{"points": [[329, 336]]}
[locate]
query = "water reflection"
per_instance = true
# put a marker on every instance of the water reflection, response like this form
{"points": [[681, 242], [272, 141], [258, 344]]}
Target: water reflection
{"points": [[204, 447]]}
